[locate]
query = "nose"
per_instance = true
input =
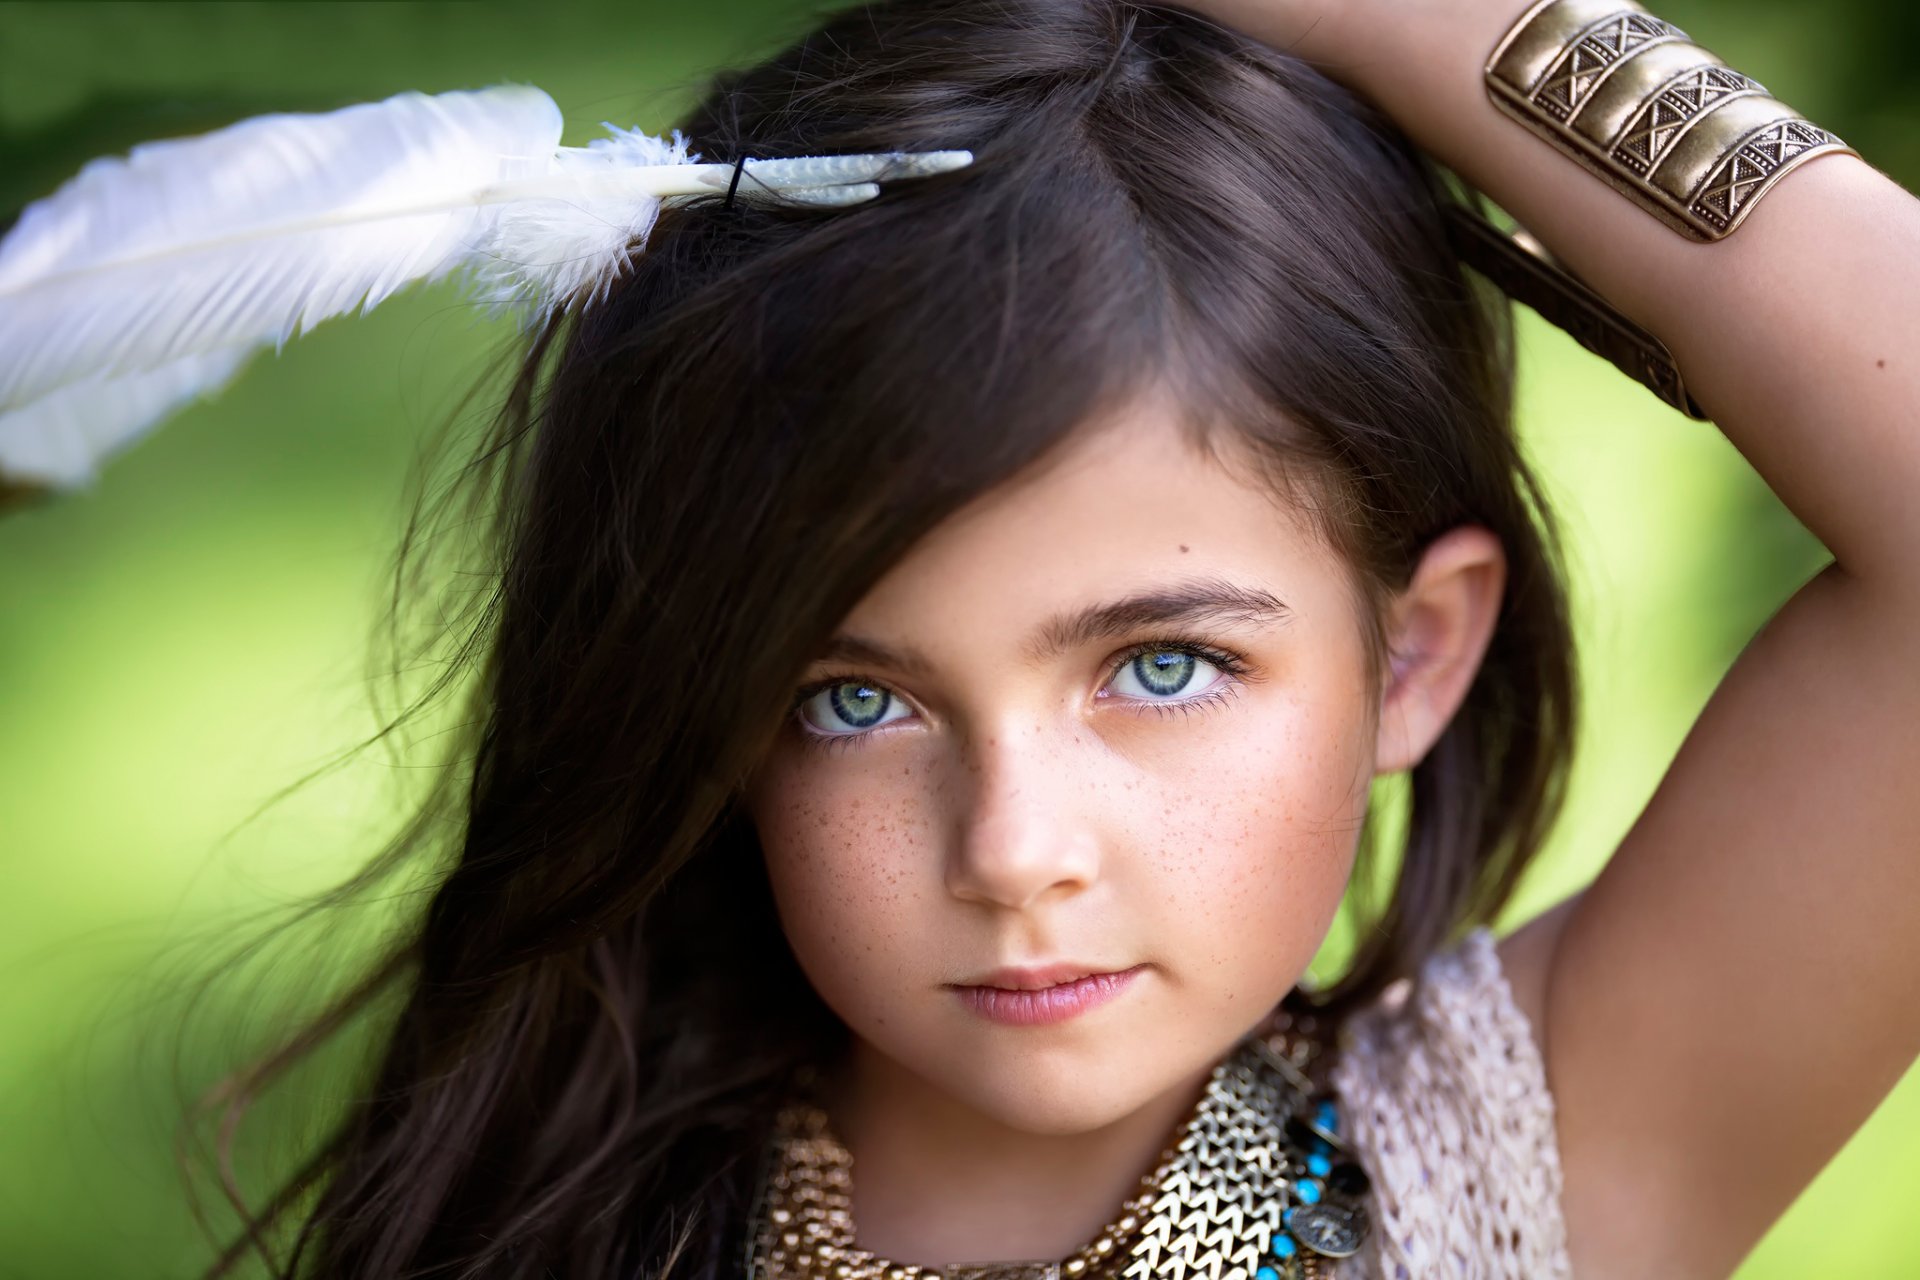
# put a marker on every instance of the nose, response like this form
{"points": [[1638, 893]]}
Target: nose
{"points": [[1022, 832]]}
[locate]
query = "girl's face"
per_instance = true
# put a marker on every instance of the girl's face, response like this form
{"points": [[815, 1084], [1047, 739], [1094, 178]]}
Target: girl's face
{"points": [[1111, 719]]}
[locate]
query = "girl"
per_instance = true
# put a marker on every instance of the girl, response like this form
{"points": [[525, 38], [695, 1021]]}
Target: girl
{"points": [[942, 650]]}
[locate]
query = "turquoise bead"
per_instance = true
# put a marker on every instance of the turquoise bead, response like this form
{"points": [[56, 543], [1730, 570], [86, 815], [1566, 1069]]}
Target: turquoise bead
{"points": [[1286, 1218], [1266, 1273], [1284, 1247], [1308, 1190], [1318, 1164]]}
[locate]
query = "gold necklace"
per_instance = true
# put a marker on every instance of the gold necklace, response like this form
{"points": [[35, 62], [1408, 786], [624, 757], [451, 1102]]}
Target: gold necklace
{"points": [[1257, 1183]]}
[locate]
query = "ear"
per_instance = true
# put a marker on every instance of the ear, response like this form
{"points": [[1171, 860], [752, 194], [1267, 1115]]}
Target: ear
{"points": [[1437, 633]]}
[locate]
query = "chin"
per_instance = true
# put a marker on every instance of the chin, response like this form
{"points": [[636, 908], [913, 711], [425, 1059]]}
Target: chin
{"points": [[1050, 1107], [1057, 1095]]}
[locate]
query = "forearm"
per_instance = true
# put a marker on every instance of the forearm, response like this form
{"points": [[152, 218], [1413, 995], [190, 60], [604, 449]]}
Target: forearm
{"points": [[1798, 332]]}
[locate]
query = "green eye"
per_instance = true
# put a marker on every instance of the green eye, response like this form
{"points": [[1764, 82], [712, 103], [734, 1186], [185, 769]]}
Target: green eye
{"points": [[852, 706], [1165, 672], [1160, 674]]}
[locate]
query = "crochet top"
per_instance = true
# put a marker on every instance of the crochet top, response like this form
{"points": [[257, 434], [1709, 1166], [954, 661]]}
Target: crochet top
{"points": [[1444, 1096]]}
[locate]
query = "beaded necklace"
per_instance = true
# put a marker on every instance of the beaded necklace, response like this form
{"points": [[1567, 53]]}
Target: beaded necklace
{"points": [[1257, 1183]]}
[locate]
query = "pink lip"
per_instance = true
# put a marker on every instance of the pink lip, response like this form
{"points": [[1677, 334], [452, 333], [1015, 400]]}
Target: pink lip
{"points": [[1035, 997]]}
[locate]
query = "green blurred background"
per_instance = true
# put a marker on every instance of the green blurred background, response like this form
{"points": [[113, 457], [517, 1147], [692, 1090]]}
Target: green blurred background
{"points": [[184, 641]]}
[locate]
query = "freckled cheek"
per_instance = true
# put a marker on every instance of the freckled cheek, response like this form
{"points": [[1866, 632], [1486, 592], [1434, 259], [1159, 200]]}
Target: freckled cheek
{"points": [[846, 844], [1255, 827]]}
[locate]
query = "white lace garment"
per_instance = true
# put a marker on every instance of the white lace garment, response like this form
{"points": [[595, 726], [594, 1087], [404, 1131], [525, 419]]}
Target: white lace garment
{"points": [[1445, 1099]]}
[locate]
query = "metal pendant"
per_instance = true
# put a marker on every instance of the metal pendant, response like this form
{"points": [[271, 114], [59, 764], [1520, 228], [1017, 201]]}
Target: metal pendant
{"points": [[1334, 1230]]}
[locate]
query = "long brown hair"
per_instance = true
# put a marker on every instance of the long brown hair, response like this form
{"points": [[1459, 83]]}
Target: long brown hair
{"points": [[688, 486]]}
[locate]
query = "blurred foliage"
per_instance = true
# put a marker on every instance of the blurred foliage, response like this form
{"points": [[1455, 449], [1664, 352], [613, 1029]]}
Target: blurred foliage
{"points": [[184, 641]]}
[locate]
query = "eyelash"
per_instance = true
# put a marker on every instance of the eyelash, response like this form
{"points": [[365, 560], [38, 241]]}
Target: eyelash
{"points": [[1233, 667]]}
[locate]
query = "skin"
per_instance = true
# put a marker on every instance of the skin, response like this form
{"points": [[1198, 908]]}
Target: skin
{"points": [[1020, 808], [1732, 996]]}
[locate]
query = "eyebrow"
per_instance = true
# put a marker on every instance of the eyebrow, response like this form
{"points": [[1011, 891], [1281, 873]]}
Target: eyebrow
{"points": [[1190, 603]]}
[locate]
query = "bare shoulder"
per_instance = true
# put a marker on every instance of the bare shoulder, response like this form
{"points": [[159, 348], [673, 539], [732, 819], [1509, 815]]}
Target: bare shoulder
{"points": [[1526, 957]]}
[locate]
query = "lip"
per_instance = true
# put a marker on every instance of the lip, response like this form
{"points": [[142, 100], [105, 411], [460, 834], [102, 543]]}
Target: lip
{"points": [[1043, 995]]}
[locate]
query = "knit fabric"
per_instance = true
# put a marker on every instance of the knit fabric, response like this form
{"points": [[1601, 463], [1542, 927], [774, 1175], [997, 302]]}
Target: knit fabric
{"points": [[1445, 1099]]}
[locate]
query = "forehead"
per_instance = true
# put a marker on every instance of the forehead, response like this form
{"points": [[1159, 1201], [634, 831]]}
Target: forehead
{"points": [[1133, 502]]}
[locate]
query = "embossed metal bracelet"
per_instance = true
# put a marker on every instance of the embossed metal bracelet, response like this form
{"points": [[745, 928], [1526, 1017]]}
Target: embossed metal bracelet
{"points": [[1656, 116]]}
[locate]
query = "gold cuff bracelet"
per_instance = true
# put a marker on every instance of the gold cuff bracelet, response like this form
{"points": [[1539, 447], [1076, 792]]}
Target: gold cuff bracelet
{"points": [[1656, 116]]}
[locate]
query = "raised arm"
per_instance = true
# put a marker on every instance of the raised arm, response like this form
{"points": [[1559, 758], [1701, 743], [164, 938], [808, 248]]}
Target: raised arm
{"points": [[1735, 993]]}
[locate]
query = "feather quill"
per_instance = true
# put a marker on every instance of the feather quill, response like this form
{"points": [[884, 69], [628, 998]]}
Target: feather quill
{"points": [[149, 280]]}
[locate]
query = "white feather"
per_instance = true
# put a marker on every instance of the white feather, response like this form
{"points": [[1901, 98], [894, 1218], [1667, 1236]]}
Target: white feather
{"points": [[256, 232], [60, 440], [149, 280], [548, 253]]}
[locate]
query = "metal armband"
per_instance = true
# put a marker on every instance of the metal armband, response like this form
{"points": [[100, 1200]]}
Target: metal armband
{"points": [[1659, 118]]}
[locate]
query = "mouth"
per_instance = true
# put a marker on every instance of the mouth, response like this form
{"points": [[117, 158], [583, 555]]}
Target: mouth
{"points": [[1037, 997]]}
